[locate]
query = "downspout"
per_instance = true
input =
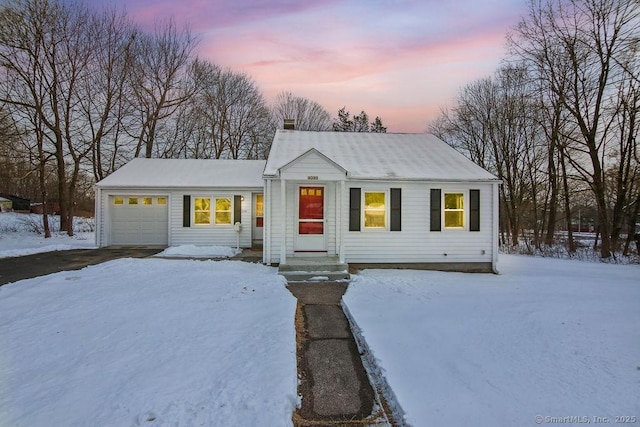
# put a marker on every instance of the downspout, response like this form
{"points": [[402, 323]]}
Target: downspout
{"points": [[341, 250], [266, 232], [494, 231], [283, 215], [98, 219]]}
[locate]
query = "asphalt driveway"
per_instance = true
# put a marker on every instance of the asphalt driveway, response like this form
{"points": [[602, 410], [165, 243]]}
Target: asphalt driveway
{"points": [[26, 267]]}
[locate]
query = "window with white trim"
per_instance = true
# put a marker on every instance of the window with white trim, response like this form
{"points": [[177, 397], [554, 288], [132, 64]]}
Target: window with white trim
{"points": [[375, 209], [223, 215], [454, 214], [201, 210]]}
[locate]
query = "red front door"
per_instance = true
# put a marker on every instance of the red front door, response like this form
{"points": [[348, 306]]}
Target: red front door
{"points": [[310, 233]]}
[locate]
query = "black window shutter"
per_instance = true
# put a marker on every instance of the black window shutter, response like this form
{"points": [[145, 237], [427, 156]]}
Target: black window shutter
{"points": [[474, 210], [396, 209], [354, 209], [186, 211], [237, 209], [436, 214]]}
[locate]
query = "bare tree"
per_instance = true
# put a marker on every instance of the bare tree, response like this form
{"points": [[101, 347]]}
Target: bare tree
{"points": [[159, 81], [579, 47], [44, 51], [106, 92], [245, 110], [307, 114], [226, 117], [494, 123]]}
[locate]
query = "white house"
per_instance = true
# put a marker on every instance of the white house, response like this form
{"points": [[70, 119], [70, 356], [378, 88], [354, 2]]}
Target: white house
{"points": [[173, 202], [362, 198], [378, 198]]}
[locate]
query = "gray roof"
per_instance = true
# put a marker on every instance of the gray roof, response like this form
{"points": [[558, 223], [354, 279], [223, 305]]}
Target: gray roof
{"points": [[394, 156], [198, 173]]}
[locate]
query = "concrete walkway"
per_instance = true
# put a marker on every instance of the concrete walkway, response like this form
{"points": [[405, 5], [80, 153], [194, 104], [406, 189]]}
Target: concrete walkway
{"points": [[334, 385]]}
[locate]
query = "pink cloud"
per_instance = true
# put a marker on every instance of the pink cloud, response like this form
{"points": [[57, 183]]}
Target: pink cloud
{"points": [[406, 88], [401, 61]]}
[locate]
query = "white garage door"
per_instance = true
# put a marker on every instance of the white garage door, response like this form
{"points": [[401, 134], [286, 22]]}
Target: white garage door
{"points": [[139, 220]]}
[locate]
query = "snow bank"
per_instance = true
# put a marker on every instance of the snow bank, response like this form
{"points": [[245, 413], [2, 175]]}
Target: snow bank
{"points": [[547, 337], [149, 342], [21, 234], [193, 251]]}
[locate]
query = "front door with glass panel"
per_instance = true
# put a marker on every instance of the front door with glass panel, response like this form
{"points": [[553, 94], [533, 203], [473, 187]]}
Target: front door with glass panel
{"points": [[310, 227], [258, 218]]}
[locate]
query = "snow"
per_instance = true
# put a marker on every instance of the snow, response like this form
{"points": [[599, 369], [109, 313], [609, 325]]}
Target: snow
{"points": [[193, 251], [366, 155], [547, 337], [21, 234], [181, 173], [149, 342], [189, 342]]}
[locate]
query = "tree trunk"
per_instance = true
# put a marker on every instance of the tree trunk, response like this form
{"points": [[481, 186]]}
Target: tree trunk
{"points": [[567, 204]]}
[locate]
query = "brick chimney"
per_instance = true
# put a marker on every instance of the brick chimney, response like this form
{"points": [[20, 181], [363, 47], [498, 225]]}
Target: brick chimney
{"points": [[289, 124]]}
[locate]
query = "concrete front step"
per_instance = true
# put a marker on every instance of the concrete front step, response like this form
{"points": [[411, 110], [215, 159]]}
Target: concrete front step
{"points": [[314, 264], [314, 269], [315, 276]]}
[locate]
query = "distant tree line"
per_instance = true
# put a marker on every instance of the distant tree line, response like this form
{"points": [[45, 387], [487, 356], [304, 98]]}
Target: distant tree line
{"points": [[558, 123], [83, 91]]}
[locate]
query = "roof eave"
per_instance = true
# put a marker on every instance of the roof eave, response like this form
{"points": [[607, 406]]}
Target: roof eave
{"points": [[395, 178]]}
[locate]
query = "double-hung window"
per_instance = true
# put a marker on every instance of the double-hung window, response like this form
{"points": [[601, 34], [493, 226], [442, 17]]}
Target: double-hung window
{"points": [[454, 210], [375, 210], [202, 211], [223, 211]]}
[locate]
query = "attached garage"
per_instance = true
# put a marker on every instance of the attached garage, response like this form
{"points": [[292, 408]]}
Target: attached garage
{"points": [[139, 220], [172, 202]]}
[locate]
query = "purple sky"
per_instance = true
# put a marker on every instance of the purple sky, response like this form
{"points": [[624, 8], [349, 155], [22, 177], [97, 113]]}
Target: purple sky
{"points": [[399, 59]]}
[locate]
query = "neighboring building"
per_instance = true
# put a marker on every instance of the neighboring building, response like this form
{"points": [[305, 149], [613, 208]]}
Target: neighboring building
{"points": [[6, 205], [53, 208], [18, 204], [177, 201], [380, 199]]}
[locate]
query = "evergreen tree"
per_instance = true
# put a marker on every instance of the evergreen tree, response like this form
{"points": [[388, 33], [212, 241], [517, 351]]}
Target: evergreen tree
{"points": [[359, 123], [376, 126], [343, 123]]}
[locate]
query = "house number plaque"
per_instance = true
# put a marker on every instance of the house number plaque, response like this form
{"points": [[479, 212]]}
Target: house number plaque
{"points": [[312, 178]]}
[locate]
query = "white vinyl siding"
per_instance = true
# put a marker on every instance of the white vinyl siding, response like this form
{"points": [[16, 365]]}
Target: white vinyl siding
{"points": [[292, 215], [415, 243], [208, 235], [310, 167], [175, 233]]}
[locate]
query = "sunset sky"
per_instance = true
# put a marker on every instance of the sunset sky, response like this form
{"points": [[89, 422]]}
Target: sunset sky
{"points": [[399, 59]]}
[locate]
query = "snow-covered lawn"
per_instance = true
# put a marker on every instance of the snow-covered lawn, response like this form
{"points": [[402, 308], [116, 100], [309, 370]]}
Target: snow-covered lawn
{"points": [[20, 234], [547, 338], [149, 342], [181, 342]]}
